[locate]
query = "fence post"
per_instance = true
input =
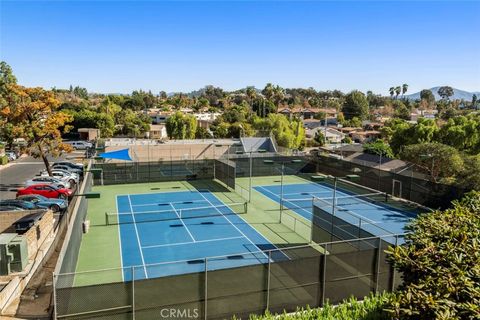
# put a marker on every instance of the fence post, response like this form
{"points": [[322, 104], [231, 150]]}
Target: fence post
{"points": [[323, 275], [377, 265], [392, 269], [54, 296], [268, 278], [206, 288], [133, 292]]}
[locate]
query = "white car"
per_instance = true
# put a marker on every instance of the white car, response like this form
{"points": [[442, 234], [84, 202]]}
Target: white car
{"points": [[49, 180], [80, 145], [63, 175], [66, 168]]}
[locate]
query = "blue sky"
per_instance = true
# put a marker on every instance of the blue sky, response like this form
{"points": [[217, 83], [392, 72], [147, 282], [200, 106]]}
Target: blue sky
{"points": [[120, 46]]}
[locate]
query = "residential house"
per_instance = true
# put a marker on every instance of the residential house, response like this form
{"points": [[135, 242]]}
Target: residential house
{"points": [[306, 113], [365, 136], [331, 135], [157, 131]]}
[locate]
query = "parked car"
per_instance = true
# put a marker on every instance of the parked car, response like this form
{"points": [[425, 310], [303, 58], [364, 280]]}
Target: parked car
{"points": [[9, 208], [56, 205], [74, 165], [67, 168], [63, 175], [11, 155], [23, 205], [80, 145], [46, 190], [47, 179]]}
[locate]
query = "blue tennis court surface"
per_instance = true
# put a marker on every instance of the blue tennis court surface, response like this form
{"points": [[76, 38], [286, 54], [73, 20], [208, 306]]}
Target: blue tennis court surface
{"points": [[377, 218], [171, 233]]}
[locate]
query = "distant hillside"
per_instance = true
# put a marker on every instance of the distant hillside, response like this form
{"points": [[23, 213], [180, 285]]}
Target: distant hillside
{"points": [[457, 94]]}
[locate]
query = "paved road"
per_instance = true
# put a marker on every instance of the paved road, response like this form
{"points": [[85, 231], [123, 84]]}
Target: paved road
{"points": [[21, 170]]}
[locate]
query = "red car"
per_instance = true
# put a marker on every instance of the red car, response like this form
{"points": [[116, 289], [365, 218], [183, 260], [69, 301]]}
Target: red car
{"points": [[46, 190]]}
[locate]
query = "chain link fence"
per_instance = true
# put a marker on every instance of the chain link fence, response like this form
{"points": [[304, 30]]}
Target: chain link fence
{"points": [[276, 280], [401, 185]]}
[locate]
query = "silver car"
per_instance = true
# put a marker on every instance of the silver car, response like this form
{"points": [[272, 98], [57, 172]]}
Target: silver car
{"points": [[49, 180], [63, 175]]}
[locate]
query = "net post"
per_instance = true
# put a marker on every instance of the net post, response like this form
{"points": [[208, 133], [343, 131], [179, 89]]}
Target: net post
{"points": [[245, 206], [206, 289], [133, 292], [54, 278]]}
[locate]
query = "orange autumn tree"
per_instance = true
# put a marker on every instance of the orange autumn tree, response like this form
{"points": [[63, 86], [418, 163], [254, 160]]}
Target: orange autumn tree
{"points": [[34, 115]]}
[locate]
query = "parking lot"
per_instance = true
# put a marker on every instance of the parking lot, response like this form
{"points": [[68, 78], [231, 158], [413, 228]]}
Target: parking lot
{"points": [[22, 169]]}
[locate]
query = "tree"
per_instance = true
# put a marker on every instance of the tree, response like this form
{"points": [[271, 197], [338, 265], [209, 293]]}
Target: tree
{"points": [[181, 126], [462, 132], [202, 133], [398, 90], [319, 138], [379, 148], [440, 265], [288, 133], [440, 161], [445, 92], [6, 79], [404, 89], [469, 177], [401, 111], [474, 101], [35, 117], [355, 105], [391, 91]]}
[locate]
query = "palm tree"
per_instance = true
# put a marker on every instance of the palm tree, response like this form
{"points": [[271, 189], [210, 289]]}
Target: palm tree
{"points": [[404, 89], [392, 91], [398, 90]]}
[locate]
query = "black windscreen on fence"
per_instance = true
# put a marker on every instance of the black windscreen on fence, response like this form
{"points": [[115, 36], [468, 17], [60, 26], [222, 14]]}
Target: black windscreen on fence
{"points": [[225, 172], [135, 172], [404, 185], [288, 279]]}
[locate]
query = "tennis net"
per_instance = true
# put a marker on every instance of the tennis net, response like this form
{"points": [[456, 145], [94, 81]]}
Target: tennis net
{"points": [[308, 202], [175, 213]]}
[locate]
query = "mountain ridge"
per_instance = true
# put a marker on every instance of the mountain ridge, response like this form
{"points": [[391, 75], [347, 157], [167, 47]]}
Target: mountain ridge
{"points": [[457, 94]]}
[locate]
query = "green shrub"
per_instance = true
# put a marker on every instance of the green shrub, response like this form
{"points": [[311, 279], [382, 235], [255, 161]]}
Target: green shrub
{"points": [[371, 308], [440, 265], [3, 160]]}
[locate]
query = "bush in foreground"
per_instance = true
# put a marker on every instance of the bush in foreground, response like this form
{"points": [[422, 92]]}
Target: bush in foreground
{"points": [[371, 308], [440, 265]]}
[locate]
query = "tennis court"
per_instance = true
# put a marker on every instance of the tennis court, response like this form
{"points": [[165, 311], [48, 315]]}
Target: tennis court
{"points": [[176, 231], [371, 211]]}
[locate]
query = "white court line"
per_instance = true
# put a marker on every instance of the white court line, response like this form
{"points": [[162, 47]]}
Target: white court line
{"points": [[138, 238], [287, 201], [181, 220], [305, 193], [157, 203], [182, 243], [352, 213], [120, 238], [234, 225]]}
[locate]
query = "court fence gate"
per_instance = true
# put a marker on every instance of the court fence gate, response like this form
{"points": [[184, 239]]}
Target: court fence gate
{"points": [[283, 280]]}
